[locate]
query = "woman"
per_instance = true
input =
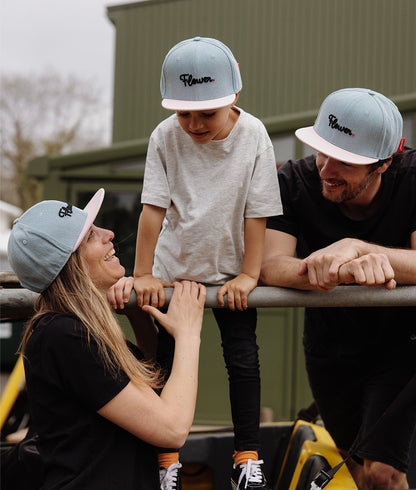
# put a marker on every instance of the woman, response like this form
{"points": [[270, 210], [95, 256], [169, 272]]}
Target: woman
{"points": [[92, 397]]}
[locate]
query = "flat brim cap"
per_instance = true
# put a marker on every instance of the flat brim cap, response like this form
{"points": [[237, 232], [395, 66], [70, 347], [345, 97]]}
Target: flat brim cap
{"points": [[44, 237], [199, 74], [92, 209], [355, 125]]}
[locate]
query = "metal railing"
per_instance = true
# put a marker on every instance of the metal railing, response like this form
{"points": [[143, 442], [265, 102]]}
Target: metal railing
{"points": [[18, 303]]}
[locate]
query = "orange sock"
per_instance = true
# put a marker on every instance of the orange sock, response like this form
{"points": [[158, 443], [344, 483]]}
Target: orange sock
{"points": [[241, 457], [166, 459]]}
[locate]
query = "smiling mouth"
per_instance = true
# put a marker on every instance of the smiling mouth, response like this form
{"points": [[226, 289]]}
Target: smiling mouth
{"points": [[199, 135], [331, 184], [109, 255]]}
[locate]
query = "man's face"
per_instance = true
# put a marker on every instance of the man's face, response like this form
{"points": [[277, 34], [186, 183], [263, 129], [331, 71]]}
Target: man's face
{"points": [[345, 181]]}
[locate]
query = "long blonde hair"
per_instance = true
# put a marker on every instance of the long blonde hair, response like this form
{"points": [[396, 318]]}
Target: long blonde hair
{"points": [[73, 292]]}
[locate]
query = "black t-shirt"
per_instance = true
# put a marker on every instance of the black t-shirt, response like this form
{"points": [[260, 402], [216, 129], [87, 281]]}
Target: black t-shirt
{"points": [[317, 222], [67, 383]]}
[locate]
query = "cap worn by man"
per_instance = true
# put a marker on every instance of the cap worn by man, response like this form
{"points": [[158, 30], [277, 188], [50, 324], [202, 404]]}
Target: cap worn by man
{"points": [[355, 125]]}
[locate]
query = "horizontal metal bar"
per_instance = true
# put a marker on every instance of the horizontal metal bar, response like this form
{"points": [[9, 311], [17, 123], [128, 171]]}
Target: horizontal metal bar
{"points": [[18, 303]]}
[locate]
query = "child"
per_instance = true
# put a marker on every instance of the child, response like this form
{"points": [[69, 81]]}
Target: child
{"points": [[210, 182]]}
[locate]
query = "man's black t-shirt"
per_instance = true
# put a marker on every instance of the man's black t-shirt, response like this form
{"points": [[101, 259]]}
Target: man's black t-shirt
{"points": [[67, 383], [316, 223]]}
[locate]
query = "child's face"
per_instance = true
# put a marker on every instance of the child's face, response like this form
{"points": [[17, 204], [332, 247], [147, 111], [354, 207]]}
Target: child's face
{"points": [[204, 126]]}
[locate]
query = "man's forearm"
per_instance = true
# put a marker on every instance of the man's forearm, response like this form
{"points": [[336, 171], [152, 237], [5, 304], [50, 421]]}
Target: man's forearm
{"points": [[283, 271], [403, 261]]}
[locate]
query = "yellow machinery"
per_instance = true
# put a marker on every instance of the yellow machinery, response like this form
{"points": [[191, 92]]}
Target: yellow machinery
{"points": [[296, 452]]}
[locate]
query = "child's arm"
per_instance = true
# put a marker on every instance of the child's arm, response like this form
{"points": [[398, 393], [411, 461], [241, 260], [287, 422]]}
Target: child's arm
{"points": [[239, 288], [149, 290]]}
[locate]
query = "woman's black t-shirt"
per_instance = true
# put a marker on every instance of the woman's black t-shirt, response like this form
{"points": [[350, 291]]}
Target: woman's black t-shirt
{"points": [[67, 383]]}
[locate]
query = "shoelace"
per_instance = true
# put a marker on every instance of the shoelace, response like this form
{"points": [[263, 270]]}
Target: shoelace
{"points": [[252, 472], [170, 479]]}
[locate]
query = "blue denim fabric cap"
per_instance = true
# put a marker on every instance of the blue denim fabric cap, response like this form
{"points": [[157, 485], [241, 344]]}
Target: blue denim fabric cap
{"points": [[199, 74], [355, 125], [45, 236]]}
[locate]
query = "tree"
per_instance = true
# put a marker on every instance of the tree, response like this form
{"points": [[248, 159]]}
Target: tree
{"points": [[43, 114]]}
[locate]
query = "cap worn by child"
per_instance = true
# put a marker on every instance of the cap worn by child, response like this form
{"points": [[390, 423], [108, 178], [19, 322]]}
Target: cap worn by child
{"points": [[199, 74], [355, 125]]}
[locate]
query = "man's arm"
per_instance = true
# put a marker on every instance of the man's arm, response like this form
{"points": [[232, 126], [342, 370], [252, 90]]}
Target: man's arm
{"points": [[355, 261], [280, 267], [403, 261]]}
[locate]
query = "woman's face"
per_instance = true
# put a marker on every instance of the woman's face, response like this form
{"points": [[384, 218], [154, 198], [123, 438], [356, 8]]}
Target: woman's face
{"points": [[98, 251]]}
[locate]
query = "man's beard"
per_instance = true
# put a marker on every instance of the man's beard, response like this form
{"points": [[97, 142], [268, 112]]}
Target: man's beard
{"points": [[350, 192]]}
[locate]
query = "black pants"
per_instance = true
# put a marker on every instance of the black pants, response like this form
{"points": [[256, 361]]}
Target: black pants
{"points": [[240, 351], [354, 393]]}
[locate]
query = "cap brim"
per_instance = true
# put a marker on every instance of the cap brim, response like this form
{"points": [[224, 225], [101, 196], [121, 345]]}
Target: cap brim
{"points": [[91, 209], [198, 105], [311, 138]]}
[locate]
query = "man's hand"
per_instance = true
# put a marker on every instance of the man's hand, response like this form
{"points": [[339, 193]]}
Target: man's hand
{"points": [[323, 265], [237, 291], [369, 270], [347, 262]]}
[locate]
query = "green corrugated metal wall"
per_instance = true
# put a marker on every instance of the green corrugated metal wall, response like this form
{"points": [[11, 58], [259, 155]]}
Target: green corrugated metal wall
{"points": [[292, 53]]}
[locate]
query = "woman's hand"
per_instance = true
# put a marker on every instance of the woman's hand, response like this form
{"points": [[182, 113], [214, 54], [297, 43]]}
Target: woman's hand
{"points": [[165, 420], [119, 294]]}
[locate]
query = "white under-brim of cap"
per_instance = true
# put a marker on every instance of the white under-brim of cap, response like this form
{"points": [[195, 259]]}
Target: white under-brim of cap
{"points": [[198, 105], [91, 209], [311, 138]]}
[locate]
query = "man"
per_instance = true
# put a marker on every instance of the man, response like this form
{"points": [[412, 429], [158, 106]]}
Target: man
{"points": [[350, 217]]}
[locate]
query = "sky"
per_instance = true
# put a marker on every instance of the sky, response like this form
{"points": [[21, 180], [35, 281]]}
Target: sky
{"points": [[72, 37]]}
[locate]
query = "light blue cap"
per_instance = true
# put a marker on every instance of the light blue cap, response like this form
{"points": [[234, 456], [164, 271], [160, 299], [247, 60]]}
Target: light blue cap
{"points": [[355, 125], [199, 74], [45, 236]]}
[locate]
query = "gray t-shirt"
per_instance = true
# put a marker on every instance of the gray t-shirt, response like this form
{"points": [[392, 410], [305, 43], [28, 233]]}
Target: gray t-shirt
{"points": [[208, 190]]}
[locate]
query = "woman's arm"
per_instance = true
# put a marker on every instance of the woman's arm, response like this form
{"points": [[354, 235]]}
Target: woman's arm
{"points": [[165, 420]]}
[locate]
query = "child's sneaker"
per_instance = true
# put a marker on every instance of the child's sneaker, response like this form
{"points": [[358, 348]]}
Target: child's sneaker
{"points": [[170, 479], [249, 476]]}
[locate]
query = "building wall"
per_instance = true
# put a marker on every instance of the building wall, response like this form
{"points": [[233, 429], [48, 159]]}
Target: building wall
{"points": [[292, 53]]}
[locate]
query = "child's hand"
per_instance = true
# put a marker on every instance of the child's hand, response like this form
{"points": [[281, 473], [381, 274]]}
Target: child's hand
{"points": [[149, 291], [185, 312], [237, 290], [119, 294]]}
